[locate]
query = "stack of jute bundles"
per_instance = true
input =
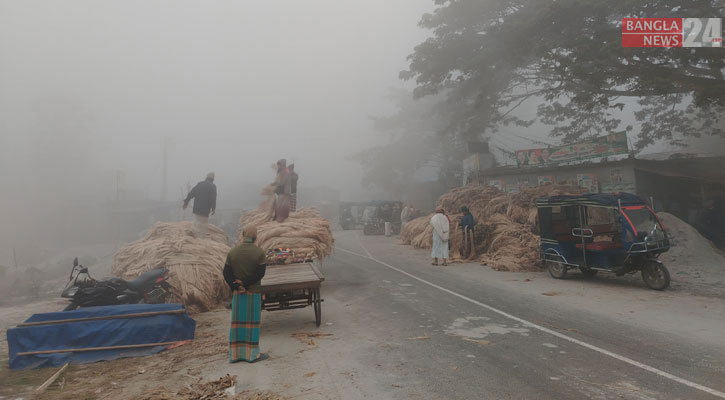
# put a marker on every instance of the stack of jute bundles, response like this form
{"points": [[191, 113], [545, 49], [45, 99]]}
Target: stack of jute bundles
{"points": [[506, 224], [195, 265], [304, 232]]}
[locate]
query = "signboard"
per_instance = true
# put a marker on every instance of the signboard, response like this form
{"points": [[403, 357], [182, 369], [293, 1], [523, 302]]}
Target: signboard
{"points": [[477, 162], [497, 183], [600, 146], [671, 32], [615, 176], [588, 183], [628, 187], [546, 179]]}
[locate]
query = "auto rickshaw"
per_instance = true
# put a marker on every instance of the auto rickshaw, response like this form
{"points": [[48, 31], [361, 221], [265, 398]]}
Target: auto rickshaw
{"points": [[351, 214], [378, 213], [616, 233]]}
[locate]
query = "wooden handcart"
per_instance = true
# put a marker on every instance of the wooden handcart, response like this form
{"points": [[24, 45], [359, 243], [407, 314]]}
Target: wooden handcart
{"points": [[293, 286]]}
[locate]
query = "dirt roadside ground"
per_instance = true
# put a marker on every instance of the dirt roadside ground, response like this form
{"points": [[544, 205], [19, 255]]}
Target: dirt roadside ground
{"points": [[304, 361]]}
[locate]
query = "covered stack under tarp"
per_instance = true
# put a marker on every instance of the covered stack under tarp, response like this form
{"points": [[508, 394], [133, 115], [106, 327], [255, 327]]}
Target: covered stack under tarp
{"points": [[506, 224], [195, 265], [304, 232], [95, 334]]}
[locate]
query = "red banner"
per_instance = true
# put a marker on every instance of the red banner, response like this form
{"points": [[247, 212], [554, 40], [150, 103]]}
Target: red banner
{"points": [[671, 32], [652, 32]]}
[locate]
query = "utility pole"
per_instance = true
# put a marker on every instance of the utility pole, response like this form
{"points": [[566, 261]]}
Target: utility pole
{"points": [[165, 168], [15, 260]]}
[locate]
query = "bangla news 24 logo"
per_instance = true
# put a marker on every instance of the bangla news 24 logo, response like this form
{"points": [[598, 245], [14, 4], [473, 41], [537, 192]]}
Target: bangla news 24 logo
{"points": [[671, 32]]}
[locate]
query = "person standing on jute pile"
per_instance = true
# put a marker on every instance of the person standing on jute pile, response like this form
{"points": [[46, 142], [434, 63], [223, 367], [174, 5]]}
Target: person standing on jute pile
{"points": [[243, 271], [293, 188], [204, 195], [282, 188], [441, 235]]}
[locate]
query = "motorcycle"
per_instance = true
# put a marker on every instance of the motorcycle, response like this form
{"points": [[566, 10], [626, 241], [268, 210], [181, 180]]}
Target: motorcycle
{"points": [[84, 291]]}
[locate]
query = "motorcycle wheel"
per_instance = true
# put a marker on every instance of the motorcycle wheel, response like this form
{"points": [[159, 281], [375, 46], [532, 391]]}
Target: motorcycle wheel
{"points": [[70, 307], [655, 275]]}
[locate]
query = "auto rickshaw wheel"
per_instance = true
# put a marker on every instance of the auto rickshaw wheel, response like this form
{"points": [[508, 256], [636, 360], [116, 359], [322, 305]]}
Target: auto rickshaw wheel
{"points": [[655, 275], [557, 270]]}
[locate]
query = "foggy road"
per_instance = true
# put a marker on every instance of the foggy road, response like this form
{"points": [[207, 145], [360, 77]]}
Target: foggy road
{"points": [[111, 112], [464, 338]]}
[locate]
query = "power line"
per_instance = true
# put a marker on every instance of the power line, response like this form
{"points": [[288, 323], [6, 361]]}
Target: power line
{"points": [[506, 142], [535, 141], [501, 146]]}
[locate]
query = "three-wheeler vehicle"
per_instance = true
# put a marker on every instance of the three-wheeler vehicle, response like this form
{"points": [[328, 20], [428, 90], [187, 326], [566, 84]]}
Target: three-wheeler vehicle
{"points": [[616, 233], [379, 212], [351, 214]]}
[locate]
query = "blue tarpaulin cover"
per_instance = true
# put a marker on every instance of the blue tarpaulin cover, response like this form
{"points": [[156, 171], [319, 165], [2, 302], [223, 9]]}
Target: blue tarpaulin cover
{"points": [[120, 331]]}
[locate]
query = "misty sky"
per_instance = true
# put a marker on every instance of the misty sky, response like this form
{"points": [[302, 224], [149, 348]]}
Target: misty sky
{"points": [[89, 87], [234, 85]]}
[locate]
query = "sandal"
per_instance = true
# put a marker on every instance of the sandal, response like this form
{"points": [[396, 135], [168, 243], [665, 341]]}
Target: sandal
{"points": [[433, 263], [445, 264], [262, 357]]}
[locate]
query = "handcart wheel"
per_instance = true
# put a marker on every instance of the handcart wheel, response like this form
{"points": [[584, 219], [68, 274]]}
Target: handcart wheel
{"points": [[317, 304]]}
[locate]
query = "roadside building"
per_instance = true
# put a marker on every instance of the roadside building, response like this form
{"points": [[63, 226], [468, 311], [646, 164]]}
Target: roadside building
{"points": [[687, 186]]}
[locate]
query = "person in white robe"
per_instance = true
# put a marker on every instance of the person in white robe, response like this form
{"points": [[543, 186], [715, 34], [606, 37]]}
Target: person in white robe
{"points": [[441, 234]]}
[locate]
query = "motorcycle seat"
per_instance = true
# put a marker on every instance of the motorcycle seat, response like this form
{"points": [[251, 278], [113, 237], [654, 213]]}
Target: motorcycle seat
{"points": [[146, 279], [116, 282]]}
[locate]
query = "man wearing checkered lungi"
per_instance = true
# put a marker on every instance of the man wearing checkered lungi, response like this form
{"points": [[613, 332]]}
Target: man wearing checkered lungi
{"points": [[243, 271], [293, 194]]}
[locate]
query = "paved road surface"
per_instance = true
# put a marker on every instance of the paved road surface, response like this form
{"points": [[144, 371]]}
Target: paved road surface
{"points": [[418, 331]]}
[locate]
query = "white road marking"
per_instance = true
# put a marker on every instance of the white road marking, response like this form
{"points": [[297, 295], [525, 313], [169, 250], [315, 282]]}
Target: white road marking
{"points": [[522, 321]]}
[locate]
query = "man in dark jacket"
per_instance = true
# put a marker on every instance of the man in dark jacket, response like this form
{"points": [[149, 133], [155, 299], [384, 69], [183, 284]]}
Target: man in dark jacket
{"points": [[467, 222], [204, 195], [467, 225]]}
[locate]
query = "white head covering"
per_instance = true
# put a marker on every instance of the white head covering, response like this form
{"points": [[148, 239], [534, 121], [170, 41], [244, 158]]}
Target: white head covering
{"points": [[210, 175]]}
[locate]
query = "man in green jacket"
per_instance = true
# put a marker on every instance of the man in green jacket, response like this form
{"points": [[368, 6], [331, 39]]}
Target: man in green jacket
{"points": [[243, 271]]}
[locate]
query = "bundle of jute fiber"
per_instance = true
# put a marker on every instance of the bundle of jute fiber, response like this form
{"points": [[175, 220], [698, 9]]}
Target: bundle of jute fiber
{"points": [[305, 232], [522, 205], [263, 213], [498, 219], [477, 198], [195, 265], [418, 233], [509, 245]]}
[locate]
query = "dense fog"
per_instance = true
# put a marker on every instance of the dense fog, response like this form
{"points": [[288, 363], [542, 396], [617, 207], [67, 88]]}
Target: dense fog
{"points": [[93, 92]]}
